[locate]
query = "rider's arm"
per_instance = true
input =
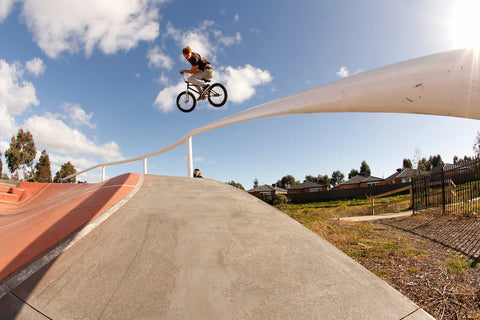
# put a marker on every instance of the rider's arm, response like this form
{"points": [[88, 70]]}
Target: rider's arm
{"points": [[192, 71]]}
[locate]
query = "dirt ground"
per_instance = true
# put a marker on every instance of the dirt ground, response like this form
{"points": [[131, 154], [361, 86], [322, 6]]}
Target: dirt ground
{"points": [[444, 277]]}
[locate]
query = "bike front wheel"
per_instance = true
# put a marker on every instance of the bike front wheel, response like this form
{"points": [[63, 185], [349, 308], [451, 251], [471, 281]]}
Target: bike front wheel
{"points": [[217, 95], [186, 101]]}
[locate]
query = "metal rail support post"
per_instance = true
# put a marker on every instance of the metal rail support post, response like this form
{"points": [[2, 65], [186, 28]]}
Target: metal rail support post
{"points": [[189, 157]]}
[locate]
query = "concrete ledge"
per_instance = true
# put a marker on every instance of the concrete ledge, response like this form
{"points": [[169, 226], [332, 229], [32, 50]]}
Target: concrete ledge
{"points": [[379, 216]]}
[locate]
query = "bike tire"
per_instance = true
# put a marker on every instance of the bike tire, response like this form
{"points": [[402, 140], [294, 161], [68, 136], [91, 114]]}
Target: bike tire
{"points": [[186, 101], [217, 95]]}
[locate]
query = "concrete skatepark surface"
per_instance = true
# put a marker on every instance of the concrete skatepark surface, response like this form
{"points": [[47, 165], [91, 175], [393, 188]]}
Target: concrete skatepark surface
{"points": [[184, 248]]}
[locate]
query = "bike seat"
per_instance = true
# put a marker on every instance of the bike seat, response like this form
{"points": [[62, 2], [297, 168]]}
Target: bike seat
{"points": [[206, 80]]}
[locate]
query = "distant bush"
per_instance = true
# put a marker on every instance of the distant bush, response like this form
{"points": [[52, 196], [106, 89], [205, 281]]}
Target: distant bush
{"points": [[279, 199]]}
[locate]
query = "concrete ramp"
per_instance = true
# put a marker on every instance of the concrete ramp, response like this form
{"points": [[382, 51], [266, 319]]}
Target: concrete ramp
{"points": [[186, 248]]}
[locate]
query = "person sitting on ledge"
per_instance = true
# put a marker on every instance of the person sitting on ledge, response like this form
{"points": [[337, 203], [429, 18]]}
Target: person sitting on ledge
{"points": [[197, 173]]}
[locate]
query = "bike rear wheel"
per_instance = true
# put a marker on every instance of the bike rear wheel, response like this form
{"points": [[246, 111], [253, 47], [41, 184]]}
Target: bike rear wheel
{"points": [[217, 95], [186, 101]]}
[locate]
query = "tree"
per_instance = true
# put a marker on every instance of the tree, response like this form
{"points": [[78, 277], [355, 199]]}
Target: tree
{"points": [[365, 169], [66, 170], [323, 180], [287, 181], [21, 153], [337, 177], [423, 165], [407, 164], [1, 165], [435, 161], [353, 173], [236, 184], [311, 179], [427, 165], [43, 173], [255, 183], [456, 160]]}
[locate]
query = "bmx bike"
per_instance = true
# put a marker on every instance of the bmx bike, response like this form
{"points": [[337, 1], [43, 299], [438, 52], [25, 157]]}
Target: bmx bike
{"points": [[216, 94]]}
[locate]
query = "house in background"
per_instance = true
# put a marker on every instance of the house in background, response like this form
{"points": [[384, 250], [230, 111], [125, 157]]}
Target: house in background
{"points": [[266, 190], [307, 186], [360, 181], [401, 176]]}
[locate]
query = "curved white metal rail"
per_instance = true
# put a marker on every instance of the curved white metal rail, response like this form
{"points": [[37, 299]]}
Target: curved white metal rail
{"points": [[446, 84]]}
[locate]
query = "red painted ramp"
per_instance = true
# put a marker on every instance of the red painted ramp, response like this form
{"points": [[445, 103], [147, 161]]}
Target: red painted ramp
{"points": [[47, 213]]}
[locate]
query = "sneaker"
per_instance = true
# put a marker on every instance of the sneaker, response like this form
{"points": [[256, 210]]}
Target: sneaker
{"points": [[203, 94]]}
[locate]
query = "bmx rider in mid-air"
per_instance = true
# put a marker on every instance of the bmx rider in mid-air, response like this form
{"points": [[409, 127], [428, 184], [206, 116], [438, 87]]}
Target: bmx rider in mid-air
{"points": [[201, 69]]}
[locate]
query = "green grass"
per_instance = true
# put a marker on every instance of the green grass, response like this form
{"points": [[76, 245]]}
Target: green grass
{"points": [[344, 208], [360, 241], [460, 266], [390, 255]]}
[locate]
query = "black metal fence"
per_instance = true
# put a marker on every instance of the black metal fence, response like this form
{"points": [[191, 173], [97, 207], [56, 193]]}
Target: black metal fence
{"points": [[453, 189]]}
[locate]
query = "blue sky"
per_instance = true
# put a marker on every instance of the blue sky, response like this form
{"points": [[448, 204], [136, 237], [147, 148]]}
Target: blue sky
{"points": [[95, 81]]}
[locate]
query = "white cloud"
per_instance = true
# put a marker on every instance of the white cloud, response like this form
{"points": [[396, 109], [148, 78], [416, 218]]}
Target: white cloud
{"points": [[343, 72], [196, 38], [110, 25], [79, 163], [255, 30], [166, 99], [56, 137], [7, 124], [228, 41], [241, 82], [5, 7], [78, 116], [205, 39], [4, 145], [35, 66], [156, 59], [16, 94], [162, 79], [56, 162]]}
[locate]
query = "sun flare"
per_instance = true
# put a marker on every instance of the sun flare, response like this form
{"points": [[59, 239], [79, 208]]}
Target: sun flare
{"points": [[466, 24]]}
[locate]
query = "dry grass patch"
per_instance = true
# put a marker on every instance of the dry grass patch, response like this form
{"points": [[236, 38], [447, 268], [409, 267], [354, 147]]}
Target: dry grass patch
{"points": [[442, 281]]}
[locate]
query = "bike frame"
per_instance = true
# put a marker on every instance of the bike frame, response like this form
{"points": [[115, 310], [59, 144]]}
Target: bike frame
{"points": [[190, 86]]}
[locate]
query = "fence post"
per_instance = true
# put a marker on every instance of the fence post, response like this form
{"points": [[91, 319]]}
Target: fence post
{"points": [[412, 195], [443, 189], [426, 192]]}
